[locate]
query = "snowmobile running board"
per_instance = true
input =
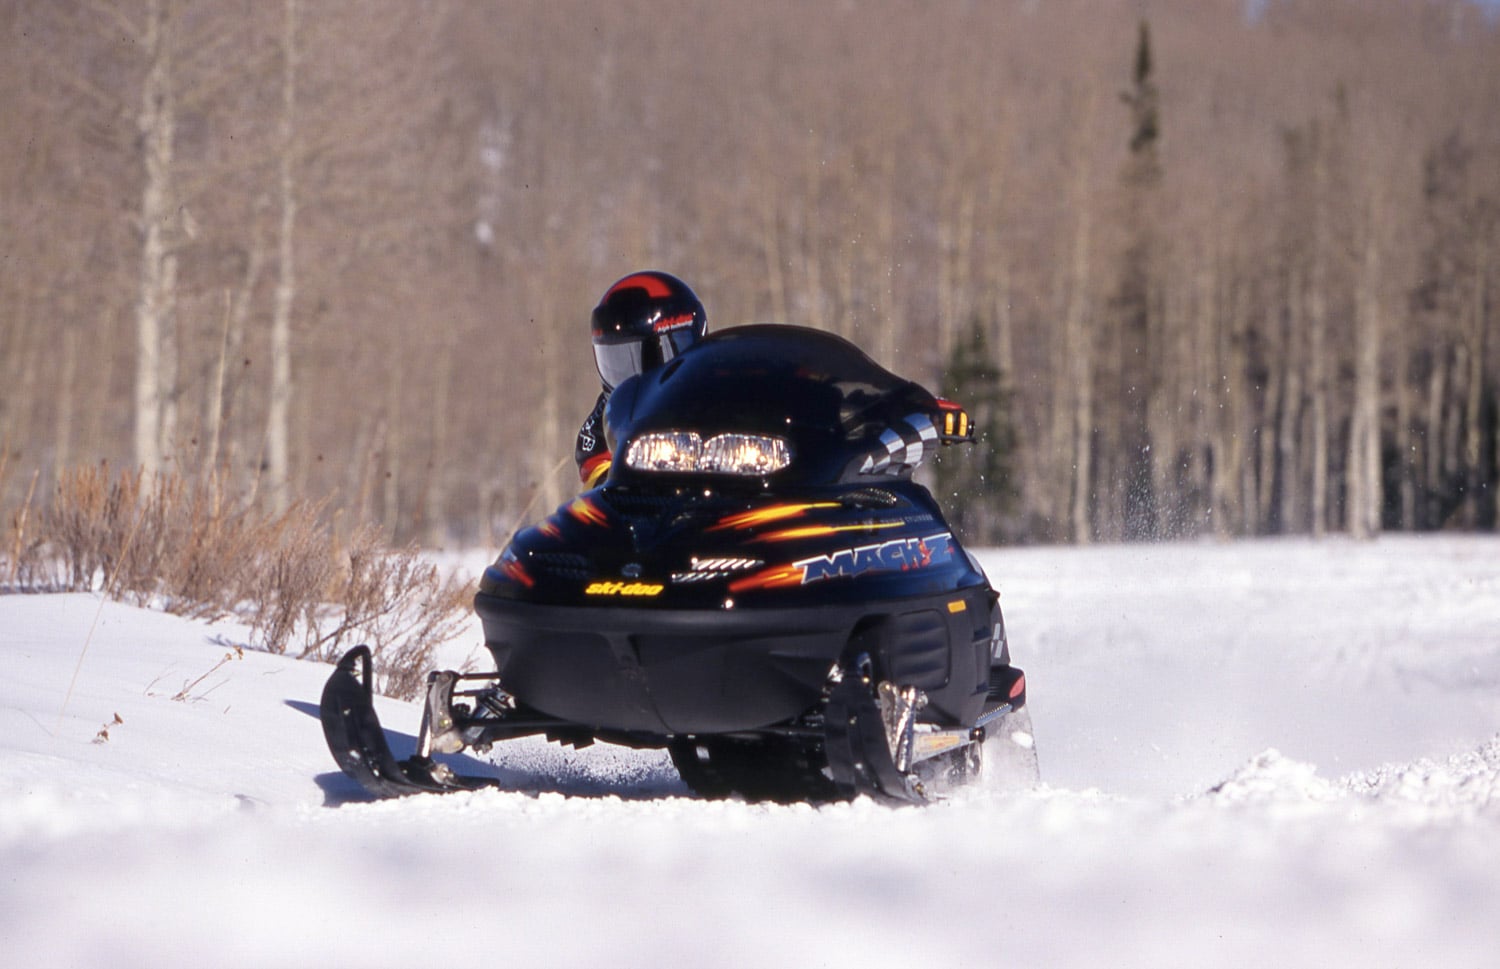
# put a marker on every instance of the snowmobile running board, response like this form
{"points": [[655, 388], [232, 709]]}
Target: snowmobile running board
{"points": [[357, 741]]}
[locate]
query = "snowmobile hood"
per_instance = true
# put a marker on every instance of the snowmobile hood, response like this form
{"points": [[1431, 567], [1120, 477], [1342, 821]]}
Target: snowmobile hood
{"points": [[821, 393]]}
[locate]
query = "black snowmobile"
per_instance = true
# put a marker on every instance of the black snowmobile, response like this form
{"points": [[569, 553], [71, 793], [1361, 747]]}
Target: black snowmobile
{"points": [[759, 587]]}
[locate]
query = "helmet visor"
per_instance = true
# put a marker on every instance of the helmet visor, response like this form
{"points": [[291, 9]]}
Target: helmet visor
{"points": [[617, 362], [676, 341]]}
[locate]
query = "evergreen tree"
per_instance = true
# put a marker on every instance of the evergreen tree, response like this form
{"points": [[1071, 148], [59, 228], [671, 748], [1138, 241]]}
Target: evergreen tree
{"points": [[976, 482], [1132, 304]]}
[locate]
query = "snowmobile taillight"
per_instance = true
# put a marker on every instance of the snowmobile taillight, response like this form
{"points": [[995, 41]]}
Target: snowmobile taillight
{"points": [[739, 454]]}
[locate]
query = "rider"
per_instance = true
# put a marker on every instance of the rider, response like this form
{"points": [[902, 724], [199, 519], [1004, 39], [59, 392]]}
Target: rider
{"points": [[641, 322]]}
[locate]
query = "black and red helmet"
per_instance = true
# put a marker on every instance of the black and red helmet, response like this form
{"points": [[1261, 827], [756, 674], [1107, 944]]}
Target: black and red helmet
{"points": [[641, 322]]}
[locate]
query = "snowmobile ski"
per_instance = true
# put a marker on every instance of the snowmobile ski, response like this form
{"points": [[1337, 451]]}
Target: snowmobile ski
{"points": [[358, 744]]}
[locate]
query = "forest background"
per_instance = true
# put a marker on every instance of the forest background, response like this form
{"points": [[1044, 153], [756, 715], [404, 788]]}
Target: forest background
{"points": [[1199, 266]]}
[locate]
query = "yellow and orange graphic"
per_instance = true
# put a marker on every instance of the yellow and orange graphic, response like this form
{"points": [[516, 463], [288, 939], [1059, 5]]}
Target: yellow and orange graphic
{"points": [[587, 512], [512, 569], [765, 516], [819, 531], [773, 578]]}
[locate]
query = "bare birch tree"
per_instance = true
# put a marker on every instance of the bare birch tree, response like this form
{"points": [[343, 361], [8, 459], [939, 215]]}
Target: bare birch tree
{"points": [[278, 411], [156, 121], [1363, 475]]}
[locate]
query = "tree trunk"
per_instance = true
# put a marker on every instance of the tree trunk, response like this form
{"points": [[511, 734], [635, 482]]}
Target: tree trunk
{"points": [[1362, 477], [213, 417], [1072, 400], [156, 297], [1432, 445], [1267, 515], [811, 251], [1169, 371], [1228, 500], [1317, 317], [278, 412], [1406, 448], [1286, 513], [435, 492], [395, 450], [67, 373], [1078, 352], [956, 237], [884, 265], [236, 319], [1473, 475]]}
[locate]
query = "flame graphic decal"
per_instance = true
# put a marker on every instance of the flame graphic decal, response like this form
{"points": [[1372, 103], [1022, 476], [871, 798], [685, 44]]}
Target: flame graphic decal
{"points": [[587, 512], [765, 516], [819, 531], [511, 568], [773, 578]]}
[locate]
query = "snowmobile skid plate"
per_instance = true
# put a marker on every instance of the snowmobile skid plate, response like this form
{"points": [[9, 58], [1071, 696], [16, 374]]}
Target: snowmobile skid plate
{"points": [[358, 742]]}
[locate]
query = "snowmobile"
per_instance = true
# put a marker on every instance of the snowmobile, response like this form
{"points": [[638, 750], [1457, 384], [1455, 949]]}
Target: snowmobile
{"points": [[758, 586]]}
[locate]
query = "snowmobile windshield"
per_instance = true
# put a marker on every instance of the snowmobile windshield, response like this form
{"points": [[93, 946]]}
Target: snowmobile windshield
{"points": [[818, 392]]}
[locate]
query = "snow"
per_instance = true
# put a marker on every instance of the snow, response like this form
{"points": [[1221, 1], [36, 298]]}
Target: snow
{"points": [[1271, 752]]}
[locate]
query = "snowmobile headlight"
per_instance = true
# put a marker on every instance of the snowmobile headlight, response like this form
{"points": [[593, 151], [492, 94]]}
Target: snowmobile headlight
{"points": [[665, 451], [746, 454]]}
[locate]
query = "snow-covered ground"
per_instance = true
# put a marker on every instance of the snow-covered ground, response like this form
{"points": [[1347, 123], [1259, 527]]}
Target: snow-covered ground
{"points": [[1269, 753]]}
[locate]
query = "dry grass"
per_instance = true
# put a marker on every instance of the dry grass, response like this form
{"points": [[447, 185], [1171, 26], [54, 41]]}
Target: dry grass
{"points": [[191, 547]]}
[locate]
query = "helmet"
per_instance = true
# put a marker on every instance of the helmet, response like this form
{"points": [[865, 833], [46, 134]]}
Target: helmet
{"points": [[642, 321]]}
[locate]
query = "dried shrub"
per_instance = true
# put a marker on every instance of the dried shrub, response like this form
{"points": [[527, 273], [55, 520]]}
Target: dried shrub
{"points": [[86, 538], [208, 546], [399, 603], [193, 548], [290, 578], [17, 553]]}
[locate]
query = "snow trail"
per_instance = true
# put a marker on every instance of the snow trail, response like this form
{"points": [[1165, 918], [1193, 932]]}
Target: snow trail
{"points": [[1277, 752]]}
